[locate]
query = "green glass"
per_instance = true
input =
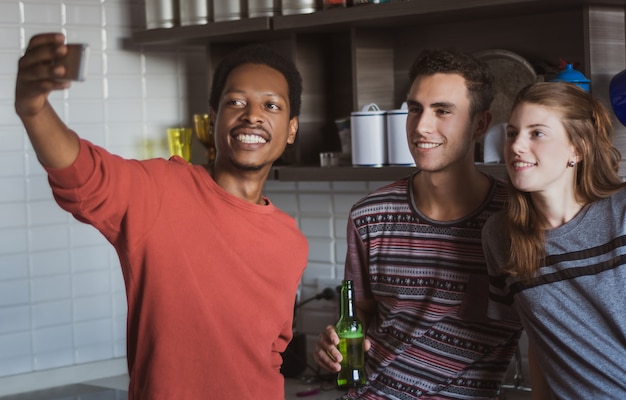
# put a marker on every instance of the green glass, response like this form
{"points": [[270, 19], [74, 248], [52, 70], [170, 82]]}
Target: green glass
{"points": [[350, 332]]}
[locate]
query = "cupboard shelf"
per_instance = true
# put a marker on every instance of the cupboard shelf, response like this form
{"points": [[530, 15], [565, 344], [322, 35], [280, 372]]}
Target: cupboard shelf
{"points": [[353, 56], [392, 14], [348, 173], [199, 34]]}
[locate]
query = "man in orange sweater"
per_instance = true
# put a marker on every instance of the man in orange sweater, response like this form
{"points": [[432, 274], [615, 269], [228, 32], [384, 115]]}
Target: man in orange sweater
{"points": [[211, 267]]}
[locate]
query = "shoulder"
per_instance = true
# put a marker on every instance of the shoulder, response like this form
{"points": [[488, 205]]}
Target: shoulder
{"points": [[495, 242], [396, 192], [619, 197], [495, 225], [614, 205], [499, 193]]}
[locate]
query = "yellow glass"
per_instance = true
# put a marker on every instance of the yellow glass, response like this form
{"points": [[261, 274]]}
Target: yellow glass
{"points": [[204, 133], [179, 140]]}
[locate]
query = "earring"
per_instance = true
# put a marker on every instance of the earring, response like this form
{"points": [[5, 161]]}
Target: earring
{"points": [[571, 164]]}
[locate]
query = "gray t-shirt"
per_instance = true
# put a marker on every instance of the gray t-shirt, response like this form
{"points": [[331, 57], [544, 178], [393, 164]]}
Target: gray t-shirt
{"points": [[573, 310]]}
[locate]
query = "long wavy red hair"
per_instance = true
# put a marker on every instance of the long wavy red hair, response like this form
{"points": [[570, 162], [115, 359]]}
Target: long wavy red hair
{"points": [[590, 130]]}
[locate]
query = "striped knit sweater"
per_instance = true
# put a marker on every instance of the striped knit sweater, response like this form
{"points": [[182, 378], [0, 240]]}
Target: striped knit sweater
{"points": [[431, 338]]}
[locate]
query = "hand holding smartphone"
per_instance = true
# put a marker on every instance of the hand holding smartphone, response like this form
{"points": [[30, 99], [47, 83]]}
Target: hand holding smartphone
{"points": [[75, 62]]}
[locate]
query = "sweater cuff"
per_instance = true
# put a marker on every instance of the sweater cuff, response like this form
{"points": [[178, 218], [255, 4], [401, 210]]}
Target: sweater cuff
{"points": [[77, 173]]}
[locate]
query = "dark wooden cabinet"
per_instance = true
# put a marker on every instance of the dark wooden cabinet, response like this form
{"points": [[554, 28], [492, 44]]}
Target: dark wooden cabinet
{"points": [[354, 56]]}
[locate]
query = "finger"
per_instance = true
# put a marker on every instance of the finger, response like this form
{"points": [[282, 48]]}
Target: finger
{"points": [[41, 72], [367, 345], [43, 49], [326, 353], [46, 38], [331, 335], [327, 359]]}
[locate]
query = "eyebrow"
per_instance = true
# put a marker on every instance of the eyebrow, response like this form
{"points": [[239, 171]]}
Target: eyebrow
{"points": [[438, 104], [538, 125], [244, 92], [443, 104]]}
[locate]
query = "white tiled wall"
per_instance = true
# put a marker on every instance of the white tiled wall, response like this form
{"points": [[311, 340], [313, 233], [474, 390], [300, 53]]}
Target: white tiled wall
{"points": [[62, 301]]}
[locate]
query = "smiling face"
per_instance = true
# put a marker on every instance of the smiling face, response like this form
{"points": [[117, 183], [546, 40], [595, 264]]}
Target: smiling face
{"points": [[538, 150], [441, 132], [252, 125]]}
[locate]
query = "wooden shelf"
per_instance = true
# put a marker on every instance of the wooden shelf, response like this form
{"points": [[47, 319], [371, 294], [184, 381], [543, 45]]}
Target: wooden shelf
{"points": [[287, 173], [310, 173], [200, 34], [397, 12], [403, 27]]}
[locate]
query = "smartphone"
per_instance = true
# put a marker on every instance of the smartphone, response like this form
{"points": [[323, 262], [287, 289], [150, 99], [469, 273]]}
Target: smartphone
{"points": [[75, 62]]}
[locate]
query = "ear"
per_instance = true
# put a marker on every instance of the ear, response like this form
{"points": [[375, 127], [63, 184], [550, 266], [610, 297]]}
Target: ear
{"points": [[482, 120], [293, 129], [576, 156], [212, 115]]}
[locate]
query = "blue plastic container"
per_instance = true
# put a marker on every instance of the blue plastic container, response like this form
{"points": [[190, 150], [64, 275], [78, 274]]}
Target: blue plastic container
{"points": [[617, 93], [569, 74]]}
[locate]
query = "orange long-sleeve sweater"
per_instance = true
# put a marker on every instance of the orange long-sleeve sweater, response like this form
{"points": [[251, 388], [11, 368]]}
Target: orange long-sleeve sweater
{"points": [[210, 279]]}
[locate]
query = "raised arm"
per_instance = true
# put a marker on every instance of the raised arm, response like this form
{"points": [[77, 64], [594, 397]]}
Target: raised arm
{"points": [[39, 73]]}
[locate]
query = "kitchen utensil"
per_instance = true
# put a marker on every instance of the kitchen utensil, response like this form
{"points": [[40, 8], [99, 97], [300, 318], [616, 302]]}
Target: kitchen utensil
{"points": [[617, 93], [512, 73], [329, 159], [494, 144], [161, 13], [227, 10], [204, 133], [398, 152], [263, 8], [369, 144], [569, 74], [290, 7], [328, 4], [195, 12], [179, 140]]}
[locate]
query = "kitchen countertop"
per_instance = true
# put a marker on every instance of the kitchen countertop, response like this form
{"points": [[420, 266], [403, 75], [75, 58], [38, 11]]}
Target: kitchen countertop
{"points": [[301, 389], [114, 388], [310, 389]]}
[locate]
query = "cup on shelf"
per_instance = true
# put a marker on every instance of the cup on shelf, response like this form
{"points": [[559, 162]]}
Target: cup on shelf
{"points": [[329, 159], [227, 10], [398, 152], [343, 131], [161, 14], [290, 7], [179, 140], [328, 4], [369, 142], [204, 133], [263, 8], [195, 12]]}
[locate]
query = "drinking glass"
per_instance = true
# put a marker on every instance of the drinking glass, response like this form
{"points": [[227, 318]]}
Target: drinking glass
{"points": [[179, 140], [204, 133]]}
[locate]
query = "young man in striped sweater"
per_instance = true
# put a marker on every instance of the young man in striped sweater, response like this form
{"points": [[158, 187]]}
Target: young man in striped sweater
{"points": [[415, 253]]}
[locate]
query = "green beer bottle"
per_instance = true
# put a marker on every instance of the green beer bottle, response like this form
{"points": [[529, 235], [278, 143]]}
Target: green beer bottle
{"points": [[350, 332]]}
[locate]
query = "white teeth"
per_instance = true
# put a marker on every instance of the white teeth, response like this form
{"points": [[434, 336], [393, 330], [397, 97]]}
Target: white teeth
{"points": [[427, 145], [251, 139], [520, 164]]}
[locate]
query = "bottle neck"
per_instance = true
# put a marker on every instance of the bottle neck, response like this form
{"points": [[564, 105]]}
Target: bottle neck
{"points": [[348, 307]]}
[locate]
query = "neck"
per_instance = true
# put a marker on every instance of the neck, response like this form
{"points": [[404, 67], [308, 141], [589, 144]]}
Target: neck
{"points": [[557, 210], [450, 196], [247, 186]]}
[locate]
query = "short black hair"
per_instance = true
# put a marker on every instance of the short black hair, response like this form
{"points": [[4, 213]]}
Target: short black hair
{"points": [[261, 55], [478, 77]]}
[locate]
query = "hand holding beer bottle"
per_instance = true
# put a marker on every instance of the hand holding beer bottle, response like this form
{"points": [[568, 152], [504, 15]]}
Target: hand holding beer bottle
{"points": [[351, 335]]}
